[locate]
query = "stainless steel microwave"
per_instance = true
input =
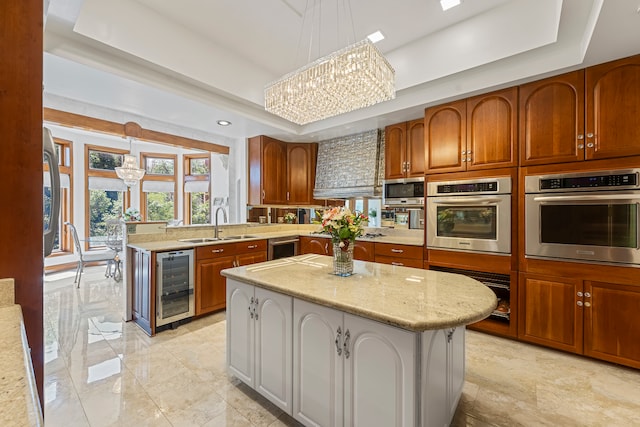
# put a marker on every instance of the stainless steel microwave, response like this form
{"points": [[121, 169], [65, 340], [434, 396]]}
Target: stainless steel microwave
{"points": [[404, 192]]}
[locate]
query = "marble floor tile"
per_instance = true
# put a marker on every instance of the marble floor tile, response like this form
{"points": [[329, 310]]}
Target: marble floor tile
{"points": [[101, 371]]}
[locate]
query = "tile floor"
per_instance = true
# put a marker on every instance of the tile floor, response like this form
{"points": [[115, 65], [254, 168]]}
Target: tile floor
{"points": [[101, 371]]}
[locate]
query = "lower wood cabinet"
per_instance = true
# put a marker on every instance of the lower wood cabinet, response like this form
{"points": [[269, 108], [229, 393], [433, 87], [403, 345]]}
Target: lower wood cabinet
{"points": [[363, 251], [259, 341], [395, 254], [593, 318], [143, 294], [210, 285]]}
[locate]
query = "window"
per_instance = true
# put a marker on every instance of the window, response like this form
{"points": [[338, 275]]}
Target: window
{"points": [[106, 194], [196, 189], [159, 187], [369, 207], [63, 152]]}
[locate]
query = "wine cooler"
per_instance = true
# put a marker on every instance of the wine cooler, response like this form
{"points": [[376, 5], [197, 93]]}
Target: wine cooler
{"points": [[174, 294]]}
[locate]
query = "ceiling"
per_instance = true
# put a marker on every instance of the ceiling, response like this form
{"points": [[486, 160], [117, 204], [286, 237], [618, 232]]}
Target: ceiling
{"points": [[193, 62]]}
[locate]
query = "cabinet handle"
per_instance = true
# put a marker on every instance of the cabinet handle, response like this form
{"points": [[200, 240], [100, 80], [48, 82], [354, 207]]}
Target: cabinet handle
{"points": [[587, 295], [255, 309], [579, 294], [345, 346], [251, 308], [589, 144], [397, 263], [450, 334], [580, 304], [287, 195], [408, 167], [338, 338], [581, 136], [326, 248], [398, 251], [217, 251], [252, 246], [262, 194]]}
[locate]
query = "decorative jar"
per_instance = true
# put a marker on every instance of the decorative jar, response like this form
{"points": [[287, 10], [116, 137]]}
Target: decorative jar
{"points": [[343, 258]]}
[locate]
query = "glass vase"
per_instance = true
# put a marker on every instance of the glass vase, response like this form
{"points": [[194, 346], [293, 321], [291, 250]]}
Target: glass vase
{"points": [[343, 259]]}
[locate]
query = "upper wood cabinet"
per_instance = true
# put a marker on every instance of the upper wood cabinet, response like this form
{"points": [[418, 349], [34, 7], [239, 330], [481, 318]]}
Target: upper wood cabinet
{"points": [[583, 115], [472, 134], [281, 173], [552, 120], [404, 150]]}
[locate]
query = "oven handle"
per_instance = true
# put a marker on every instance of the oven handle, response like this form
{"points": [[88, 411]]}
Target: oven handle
{"points": [[586, 197], [466, 201], [284, 242]]}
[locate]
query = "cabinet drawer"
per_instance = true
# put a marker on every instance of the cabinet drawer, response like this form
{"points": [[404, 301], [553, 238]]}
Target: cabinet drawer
{"points": [[403, 262], [251, 246], [398, 251], [214, 251]]}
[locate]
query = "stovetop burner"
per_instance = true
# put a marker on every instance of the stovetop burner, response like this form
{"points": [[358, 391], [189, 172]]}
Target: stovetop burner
{"points": [[372, 235]]}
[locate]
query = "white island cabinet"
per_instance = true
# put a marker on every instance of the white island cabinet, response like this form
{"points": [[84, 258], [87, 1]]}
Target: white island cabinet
{"points": [[383, 347], [259, 341]]}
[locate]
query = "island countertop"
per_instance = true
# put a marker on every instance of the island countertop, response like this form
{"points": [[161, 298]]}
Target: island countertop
{"points": [[409, 298]]}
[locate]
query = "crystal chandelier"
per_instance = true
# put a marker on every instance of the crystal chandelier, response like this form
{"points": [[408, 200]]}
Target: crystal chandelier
{"points": [[351, 78], [129, 172]]}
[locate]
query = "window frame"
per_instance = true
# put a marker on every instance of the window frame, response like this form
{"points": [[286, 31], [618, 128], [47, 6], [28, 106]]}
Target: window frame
{"points": [[158, 177], [65, 166], [188, 177]]}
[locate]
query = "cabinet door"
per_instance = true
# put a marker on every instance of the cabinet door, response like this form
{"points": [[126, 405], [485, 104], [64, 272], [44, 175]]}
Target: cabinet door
{"points": [[445, 137], [491, 130], [611, 329], [240, 331], [211, 285], [317, 364], [376, 354], [273, 347], [315, 245], [395, 137], [364, 251], [549, 311], [552, 120], [300, 174], [143, 305], [274, 171], [415, 148], [613, 109]]}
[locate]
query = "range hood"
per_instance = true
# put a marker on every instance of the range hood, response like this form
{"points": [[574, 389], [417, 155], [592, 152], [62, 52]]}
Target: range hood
{"points": [[350, 166]]}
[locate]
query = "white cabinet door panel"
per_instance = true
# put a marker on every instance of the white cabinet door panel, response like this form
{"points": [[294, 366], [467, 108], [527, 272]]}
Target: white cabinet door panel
{"points": [[317, 365], [240, 331], [379, 374], [274, 347]]}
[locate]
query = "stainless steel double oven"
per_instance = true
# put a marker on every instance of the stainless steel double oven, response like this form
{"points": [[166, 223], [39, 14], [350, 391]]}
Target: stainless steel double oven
{"points": [[470, 215]]}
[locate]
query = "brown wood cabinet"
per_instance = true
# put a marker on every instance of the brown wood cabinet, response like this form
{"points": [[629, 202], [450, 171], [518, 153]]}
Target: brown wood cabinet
{"points": [[472, 134], [404, 150], [583, 115], [315, 245], [210, 285], [364, 251], [143, 292], [396, 254], [582, 316], [281, 173]]}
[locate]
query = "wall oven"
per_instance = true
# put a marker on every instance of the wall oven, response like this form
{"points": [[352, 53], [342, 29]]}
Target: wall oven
{"points": [[470, 215], [586, 216], [174, 293]]}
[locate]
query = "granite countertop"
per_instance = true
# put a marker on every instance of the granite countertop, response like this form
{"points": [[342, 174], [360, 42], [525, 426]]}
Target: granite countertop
{"points": [[170, 245], [18, 393], [409, 298]]}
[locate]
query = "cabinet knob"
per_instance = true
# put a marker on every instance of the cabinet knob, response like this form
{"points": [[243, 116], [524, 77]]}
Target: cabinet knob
{"points": [[590, 144], [468, 159], [579, 303], [590, 135], [587, 304], [580, 146], [581, 136], [587, 295], [464, 159], [468, 151], [579, 294], [463, 152]]}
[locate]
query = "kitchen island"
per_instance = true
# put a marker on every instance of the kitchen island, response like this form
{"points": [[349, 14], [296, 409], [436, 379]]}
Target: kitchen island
{"points": [[383, 347]]}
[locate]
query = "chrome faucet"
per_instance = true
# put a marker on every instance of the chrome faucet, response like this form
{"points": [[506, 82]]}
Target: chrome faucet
{"points": [[224, 218]]}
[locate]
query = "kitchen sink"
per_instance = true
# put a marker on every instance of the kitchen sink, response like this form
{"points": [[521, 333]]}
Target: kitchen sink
{"points": [[238, 237], [199, 240]]}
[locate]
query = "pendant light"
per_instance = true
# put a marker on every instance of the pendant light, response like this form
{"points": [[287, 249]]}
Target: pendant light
{"points": [[129, 172]]}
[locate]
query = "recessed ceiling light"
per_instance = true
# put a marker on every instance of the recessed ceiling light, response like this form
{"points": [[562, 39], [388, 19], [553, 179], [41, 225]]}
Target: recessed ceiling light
{"points": [[224, 122], [375, 37], [448, 4]]}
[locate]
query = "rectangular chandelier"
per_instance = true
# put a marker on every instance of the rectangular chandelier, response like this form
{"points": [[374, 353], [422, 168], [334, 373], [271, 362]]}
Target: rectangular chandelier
{"points": [[355, 77]]}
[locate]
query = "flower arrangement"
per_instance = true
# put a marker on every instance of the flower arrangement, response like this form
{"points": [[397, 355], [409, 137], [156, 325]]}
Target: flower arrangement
{"points": [[132, 214], [290, 218], [343, 225]]}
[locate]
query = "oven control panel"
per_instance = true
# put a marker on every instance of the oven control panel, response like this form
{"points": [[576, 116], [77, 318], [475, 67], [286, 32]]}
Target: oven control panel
{"points": [[617, 180], [474, 187], [497, 185]]}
